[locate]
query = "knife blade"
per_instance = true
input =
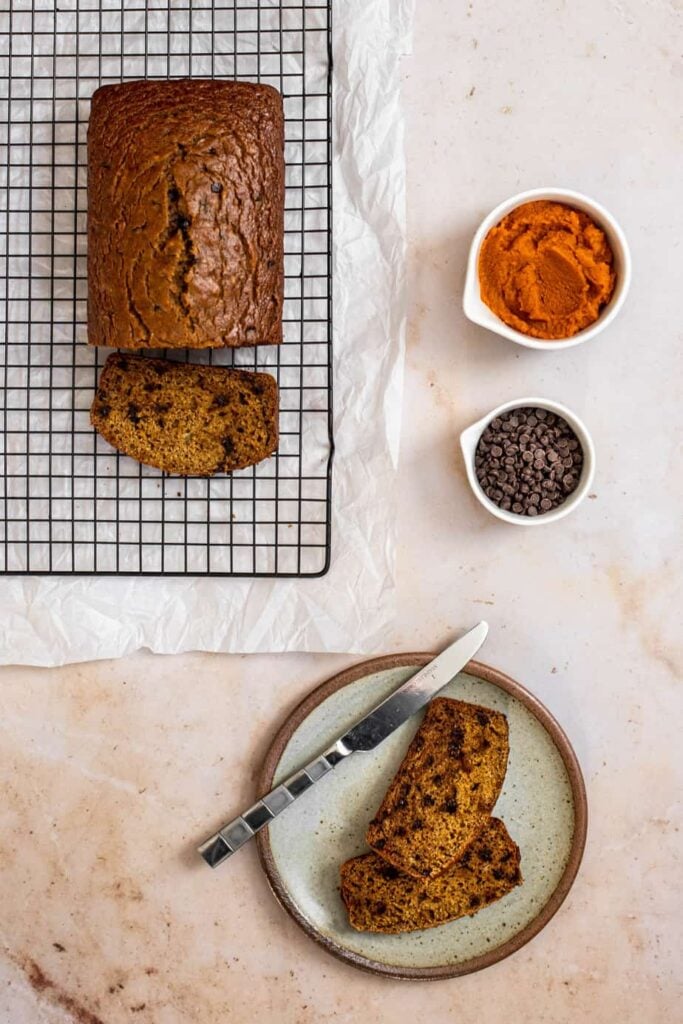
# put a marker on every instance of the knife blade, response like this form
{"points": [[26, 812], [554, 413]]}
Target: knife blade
{"points": [[364, 735]]}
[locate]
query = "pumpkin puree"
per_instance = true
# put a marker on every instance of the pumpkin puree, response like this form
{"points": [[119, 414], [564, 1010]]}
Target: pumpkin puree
{"points": [[546, 270]]}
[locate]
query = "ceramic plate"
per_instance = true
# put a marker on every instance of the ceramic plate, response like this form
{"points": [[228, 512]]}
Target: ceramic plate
{"points": [[543, 805]]}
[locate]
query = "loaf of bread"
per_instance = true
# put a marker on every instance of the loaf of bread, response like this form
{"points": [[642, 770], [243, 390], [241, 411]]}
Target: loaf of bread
{"points": [[185, 215], [380, 898], [444, 790], [183, 418]]}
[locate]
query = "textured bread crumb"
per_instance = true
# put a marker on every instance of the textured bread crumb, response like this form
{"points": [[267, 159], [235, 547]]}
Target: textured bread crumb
{"points": [[444, 789], [380, 898], [183, 418]]}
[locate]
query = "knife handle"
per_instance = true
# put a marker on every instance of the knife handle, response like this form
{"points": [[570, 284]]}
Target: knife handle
{"points": [[240, 830]]}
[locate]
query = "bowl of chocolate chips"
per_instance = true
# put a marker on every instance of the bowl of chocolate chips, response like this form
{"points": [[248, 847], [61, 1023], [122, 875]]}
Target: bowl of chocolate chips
{"points": [[529, 462]]}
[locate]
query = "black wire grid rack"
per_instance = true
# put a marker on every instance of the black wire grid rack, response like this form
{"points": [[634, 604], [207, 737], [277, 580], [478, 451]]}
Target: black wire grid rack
{"points": [[69, 504]]}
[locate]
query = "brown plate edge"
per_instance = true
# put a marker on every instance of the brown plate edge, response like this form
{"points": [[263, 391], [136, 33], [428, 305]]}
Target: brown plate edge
{"points": [[557, 897]]}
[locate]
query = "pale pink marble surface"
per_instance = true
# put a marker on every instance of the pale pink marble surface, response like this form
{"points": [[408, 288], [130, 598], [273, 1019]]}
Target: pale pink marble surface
{"points": [[111, 772]]}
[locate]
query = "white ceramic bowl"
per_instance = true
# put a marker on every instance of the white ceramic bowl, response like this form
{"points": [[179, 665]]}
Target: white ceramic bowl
{"points": [[470, 438], [479, 313]]}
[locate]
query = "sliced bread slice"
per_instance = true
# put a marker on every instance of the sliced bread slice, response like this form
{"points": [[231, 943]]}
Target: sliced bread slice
{"points": [[444, 789], [185, 418], [380, 898]]}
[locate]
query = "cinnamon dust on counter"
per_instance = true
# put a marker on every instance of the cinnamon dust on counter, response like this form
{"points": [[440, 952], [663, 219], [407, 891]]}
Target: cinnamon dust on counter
{"points": [[546, 270]]}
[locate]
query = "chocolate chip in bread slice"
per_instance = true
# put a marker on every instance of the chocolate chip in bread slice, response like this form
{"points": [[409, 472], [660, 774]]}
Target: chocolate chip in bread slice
{"points": [[444, 789], [380, 898], [184, 418]]}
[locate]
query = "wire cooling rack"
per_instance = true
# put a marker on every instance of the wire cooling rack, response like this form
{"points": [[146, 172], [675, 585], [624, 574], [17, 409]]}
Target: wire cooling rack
{"points": [[69, 504]]}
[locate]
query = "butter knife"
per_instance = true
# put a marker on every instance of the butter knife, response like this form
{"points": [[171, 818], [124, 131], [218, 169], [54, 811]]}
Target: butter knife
{"points": [[365, 734]]}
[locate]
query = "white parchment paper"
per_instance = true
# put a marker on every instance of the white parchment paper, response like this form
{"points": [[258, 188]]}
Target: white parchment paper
{"points": [[53, 621]]}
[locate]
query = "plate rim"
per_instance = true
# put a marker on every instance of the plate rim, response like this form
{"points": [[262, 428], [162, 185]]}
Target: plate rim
{"points": [[490, 675]]}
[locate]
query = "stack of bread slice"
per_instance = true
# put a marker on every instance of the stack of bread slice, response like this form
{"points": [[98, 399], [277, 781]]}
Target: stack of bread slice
{"points": [[437, 853]]}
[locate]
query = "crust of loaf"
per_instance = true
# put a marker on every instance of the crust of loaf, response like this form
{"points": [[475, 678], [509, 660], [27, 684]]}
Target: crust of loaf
{"points": [[185, 215]]}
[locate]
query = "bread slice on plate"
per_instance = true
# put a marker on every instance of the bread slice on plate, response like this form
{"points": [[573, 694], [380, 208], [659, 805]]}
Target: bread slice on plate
{"points": [[444, 790], [380, 898], [184, 418]]}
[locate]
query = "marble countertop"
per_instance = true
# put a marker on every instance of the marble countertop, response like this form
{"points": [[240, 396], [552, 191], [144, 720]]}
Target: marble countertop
{"points": [[112, 771]]}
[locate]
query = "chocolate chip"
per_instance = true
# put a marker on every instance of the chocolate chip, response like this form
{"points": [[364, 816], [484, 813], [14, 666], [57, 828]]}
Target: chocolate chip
{"points": [[216, 186], [389, 871], [457, 740]]}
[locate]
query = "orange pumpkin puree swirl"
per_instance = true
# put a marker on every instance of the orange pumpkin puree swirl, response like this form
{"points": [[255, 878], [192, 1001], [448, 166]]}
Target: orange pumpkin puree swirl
{"points": [[547, 270]]}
